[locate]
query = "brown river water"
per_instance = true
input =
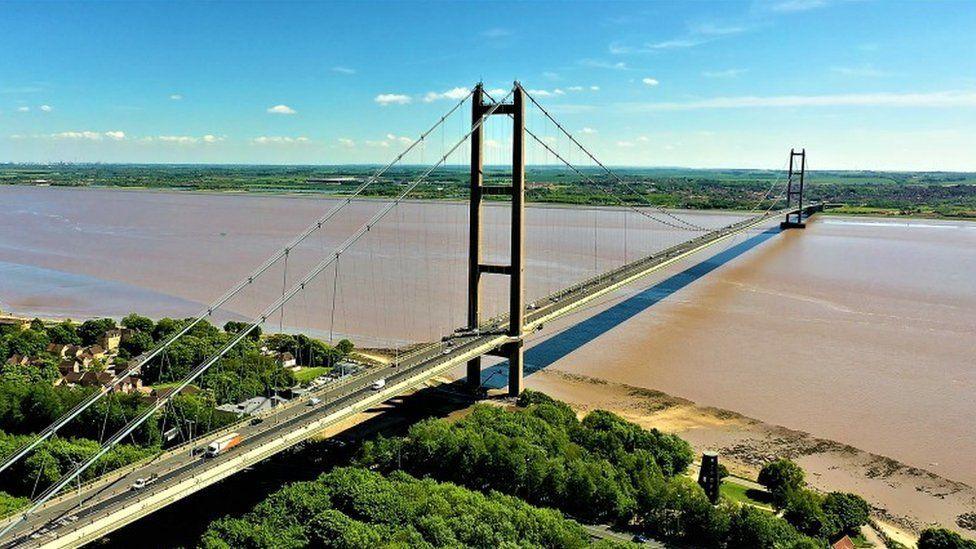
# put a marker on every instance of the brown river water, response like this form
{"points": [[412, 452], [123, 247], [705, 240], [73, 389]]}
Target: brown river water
{"points": [[856, 330]]}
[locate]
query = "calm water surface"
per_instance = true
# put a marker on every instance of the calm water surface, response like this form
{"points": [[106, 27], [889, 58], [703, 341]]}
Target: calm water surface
{"points": [[857, 330]]}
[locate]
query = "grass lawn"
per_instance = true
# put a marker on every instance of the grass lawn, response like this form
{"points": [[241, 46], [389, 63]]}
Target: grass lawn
{"points": [[305, 375], [170, 385], [743, 494]]}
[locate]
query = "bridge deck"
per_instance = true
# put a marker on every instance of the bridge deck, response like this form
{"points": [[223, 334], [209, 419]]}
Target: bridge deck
{"points": [[108, 503]]}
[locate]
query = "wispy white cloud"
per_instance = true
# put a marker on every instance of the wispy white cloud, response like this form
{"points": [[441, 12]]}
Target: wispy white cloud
{"points": [[595, 88], [727, 73], [23, 109], [789, 6], [600, 64], [389, 140], [279, 140], [863, 71], [347, 143], [643, 139], [399, 139], [178, 139], [185, 139], [717, 29], [625, 144], [281, 109], [697, 34], [46, 108], [650, 81], [676, 43], [343, 70], [882, 99], [385, 99], [176, 96], [89, 135], [116, 135], [455, 94], [588, 130]]}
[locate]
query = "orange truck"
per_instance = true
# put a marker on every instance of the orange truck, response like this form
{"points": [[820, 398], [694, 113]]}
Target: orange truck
{"points": [[223, 444]]}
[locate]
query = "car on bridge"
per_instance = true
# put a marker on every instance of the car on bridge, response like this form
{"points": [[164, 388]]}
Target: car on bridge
{"points": [[379, 384], [141, 483]]}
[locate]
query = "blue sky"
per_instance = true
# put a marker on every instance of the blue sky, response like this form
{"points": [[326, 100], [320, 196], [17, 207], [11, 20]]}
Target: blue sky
{"points": [[861, 84]]}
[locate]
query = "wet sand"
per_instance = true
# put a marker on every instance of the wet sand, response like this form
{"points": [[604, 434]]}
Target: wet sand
{"points": [[904, 499], [858, 333], [854, 330]]}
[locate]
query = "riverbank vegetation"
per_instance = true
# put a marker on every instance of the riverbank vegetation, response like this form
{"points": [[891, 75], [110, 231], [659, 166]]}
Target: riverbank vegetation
{"points": [[353, 508], [599, 470], [931, 194], [44, 371]]}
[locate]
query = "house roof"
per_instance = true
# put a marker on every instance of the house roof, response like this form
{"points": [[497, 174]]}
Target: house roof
{"points": [[843, 543]]}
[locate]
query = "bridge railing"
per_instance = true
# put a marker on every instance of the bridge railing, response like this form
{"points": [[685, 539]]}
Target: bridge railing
{"points": [[116, 474]]}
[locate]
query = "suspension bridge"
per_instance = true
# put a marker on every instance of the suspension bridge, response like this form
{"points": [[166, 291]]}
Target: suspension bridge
{"points": [[70, 512]]}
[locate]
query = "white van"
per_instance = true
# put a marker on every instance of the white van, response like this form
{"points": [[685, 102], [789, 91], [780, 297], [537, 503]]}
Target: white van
{"points": [[379, 384]]}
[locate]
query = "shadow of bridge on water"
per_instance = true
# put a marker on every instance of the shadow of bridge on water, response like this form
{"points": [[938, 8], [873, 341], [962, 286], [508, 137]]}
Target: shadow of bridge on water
{"points": [[547, 352]]}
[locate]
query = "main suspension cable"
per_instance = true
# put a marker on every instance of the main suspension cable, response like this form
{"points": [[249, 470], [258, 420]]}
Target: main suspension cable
{"points": [[240, 286], [610, 172], [275, 306]]}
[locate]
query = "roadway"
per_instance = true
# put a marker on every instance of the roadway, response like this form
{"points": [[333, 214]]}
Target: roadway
{"points": [[108, 503]]}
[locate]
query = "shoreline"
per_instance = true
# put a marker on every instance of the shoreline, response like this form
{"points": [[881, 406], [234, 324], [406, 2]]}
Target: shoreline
{"points": [[876, 213], [904, 499]]}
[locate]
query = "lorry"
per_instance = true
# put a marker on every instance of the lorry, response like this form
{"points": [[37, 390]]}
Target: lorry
{"points": [[223, 444]]}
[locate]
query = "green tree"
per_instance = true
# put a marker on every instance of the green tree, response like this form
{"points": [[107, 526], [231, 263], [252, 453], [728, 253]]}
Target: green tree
{"points": [[940, 538], [64, 333], [235, 327], [781, 477], [91, 330], [333, 529], [848, 511], [166, 327], [141, 323], [804, 510], [137, 343], [751, 528], [26, 343], [345, 346]]}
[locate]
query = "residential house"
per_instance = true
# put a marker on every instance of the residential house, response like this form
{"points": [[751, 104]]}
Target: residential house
{"points": [[110, 339], [86, 379], [21, 323], [287, 360], [59, 349], [72, 366], [19, 360], [130, 384], [843, 543]]}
